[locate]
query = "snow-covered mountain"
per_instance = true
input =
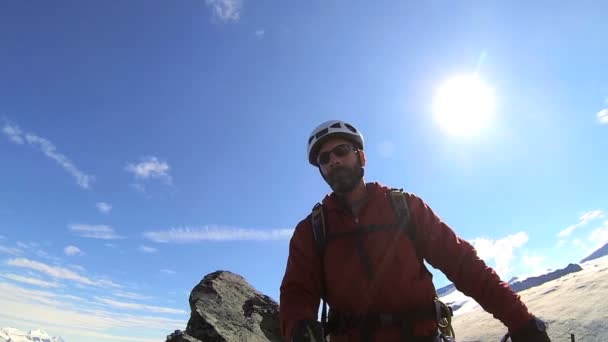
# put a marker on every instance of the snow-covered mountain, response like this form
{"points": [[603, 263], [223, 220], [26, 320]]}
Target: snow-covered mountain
{"points": [[9, 334], [572, 304], [461, 303]]}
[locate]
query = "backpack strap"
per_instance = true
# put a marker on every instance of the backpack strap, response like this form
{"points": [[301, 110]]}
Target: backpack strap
{"points": [[399, 202], [319, 232], [318, 227], [444, 312]]}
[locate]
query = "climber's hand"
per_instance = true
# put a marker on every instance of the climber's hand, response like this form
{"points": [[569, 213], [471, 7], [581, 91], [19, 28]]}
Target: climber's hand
{"points": [[534, 331], [307, 331]]}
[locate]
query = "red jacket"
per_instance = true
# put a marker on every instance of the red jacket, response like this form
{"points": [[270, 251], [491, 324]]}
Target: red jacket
{"points": [[399, 282]]}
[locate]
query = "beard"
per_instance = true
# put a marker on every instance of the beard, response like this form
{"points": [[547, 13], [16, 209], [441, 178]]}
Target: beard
{"points": [[344, 179]]}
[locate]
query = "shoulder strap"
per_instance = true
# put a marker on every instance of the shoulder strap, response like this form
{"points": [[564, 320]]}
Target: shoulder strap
{"points": [[317, 220], [402, 212], [319, 233]]}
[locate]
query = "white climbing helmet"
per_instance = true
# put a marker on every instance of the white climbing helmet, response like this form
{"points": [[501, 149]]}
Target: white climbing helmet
{"points": [[332, 128]]}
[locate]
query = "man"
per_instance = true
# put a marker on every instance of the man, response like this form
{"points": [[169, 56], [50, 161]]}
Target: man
{"points": [[374, 282]]}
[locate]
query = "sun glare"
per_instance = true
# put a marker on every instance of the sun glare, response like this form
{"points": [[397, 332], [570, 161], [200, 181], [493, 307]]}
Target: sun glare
{"points": [[464, 105]]}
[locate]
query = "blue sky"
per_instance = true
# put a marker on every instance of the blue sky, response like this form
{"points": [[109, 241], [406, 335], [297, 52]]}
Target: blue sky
{"points": [[146, 144]]}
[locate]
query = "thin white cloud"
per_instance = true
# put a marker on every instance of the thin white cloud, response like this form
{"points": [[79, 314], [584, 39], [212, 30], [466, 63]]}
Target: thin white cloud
{"points": [[107, 283], [46, 255], [137, 306], [501, 250], [150, 167], [101, 231], [602, 116], [534, 263], [103, 207], [11, 250], [78, 267], [131, 295], [226, 10], [53, 271], [260, 33], [147, 249], [216, 233], [78, 320], [29, 280], [72, 250], [583, 220], [167, 271], [139, 187], [599, 236], [58, 272], [580, 244], [15, 134], [27, 245], [27, 248]]}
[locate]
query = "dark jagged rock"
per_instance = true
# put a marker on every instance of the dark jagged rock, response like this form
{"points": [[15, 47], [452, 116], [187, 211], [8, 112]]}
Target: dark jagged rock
{"points": [[225, 308], [536, 281], [602, 251]]}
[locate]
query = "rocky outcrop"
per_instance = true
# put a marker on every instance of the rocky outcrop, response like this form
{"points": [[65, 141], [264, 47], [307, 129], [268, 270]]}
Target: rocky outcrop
{"points": [[225, 308], [536, 281]]}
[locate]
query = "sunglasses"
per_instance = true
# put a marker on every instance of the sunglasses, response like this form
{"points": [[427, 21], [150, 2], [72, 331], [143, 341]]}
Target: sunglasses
{"points": [[340, 151]]}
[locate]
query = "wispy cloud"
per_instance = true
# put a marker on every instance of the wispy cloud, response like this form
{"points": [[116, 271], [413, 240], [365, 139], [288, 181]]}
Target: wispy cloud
{"points": [[583, 220], [26, 248], [599, 236], [131, 295], [602, 116], [580, 244], [216, 233], [501, 250], [534, 263], [13, 133], [11, 250], [77, 319], [137, 306], [147, 249], [58, 272], [78, 267], [226, 10], [27, 245], [260, 33], [29, 280], [16, 135], [53, 271], [103, 207], [167, 271], [101, 231], [72, 250], [150, 167]]}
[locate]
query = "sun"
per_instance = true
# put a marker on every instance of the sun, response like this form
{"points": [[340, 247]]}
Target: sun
{"points": [[464, 105]]}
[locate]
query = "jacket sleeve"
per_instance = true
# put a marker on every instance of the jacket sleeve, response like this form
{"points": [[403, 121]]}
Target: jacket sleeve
{"points": [[458, 260], [300, 292]]}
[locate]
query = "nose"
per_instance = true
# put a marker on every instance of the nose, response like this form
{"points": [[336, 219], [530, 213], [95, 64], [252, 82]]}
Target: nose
{"points": [[334, 160]]}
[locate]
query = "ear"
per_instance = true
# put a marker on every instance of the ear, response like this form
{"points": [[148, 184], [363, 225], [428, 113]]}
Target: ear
{"points": [[362, 157]]}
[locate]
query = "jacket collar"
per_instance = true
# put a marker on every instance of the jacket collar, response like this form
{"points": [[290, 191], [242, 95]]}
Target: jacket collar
{"points": [[333, 202]]}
